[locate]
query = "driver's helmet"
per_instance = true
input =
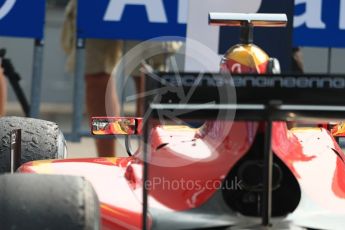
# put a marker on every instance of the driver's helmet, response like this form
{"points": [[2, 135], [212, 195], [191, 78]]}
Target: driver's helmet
{"points": [[244, 58]]}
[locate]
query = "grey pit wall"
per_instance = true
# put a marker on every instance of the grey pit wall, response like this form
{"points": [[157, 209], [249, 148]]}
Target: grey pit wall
{"points": [[316, 60]]}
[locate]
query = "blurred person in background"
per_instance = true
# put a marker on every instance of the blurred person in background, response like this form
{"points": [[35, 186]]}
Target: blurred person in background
{"points": [[297, 67], [297, 61], [101, 57]]}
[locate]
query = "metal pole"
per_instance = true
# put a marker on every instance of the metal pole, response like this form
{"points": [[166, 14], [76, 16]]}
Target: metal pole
{"points": [[329, 66], [16, 156], [123, 79], [14, 78], [78, 97], [268, 161], [146, 159], [36, 82], [145, 175], [268, 166]]}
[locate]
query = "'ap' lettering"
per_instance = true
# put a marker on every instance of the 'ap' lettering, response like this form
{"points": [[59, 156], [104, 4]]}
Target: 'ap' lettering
{"points": [[154, 8], [312, 15]]}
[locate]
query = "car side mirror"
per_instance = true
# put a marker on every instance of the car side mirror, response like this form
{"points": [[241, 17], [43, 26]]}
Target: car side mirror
{"points": [[105, 126], [337, 129]]}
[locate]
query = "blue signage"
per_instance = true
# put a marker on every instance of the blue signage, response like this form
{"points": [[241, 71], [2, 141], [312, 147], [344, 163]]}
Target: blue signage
{"points": [[22, 18], [131, 19], [319, 23]]}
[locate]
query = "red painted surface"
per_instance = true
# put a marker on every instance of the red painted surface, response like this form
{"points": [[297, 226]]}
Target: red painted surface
{"points": [[191, 159], [310, 155], [118, 181], [287, 146], [119, 218]]}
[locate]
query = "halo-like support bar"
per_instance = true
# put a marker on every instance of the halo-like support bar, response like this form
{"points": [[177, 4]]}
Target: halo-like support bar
{"points": [[239, 19]]}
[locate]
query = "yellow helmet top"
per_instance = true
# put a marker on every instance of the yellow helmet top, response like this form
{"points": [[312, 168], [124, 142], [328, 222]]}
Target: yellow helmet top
{"points": [[245, 58]]}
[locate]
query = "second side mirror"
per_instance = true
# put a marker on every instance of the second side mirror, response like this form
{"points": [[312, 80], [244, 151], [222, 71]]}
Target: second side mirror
{"points": [[116, 126]]}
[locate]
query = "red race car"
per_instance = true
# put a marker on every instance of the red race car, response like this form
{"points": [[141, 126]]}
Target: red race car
{"points": [[240, 168]]}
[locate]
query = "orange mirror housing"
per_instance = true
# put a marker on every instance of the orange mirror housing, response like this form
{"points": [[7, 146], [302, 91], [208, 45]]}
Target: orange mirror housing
{"points": [[338, 130]]}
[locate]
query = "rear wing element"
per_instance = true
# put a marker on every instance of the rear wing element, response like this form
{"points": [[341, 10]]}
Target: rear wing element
{"points": [[238, 19], [294, 97]]}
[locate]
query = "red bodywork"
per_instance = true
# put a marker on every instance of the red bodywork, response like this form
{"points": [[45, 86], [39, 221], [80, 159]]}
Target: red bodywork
{"points": [[319, 170]]}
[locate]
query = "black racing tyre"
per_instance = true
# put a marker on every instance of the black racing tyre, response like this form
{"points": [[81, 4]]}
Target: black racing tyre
{"points": [[40, 140], [32, 201]]}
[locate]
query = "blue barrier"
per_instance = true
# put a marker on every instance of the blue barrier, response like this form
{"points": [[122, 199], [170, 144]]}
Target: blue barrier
{"points": [[316, 21], [22, 18], [319, 23]]}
